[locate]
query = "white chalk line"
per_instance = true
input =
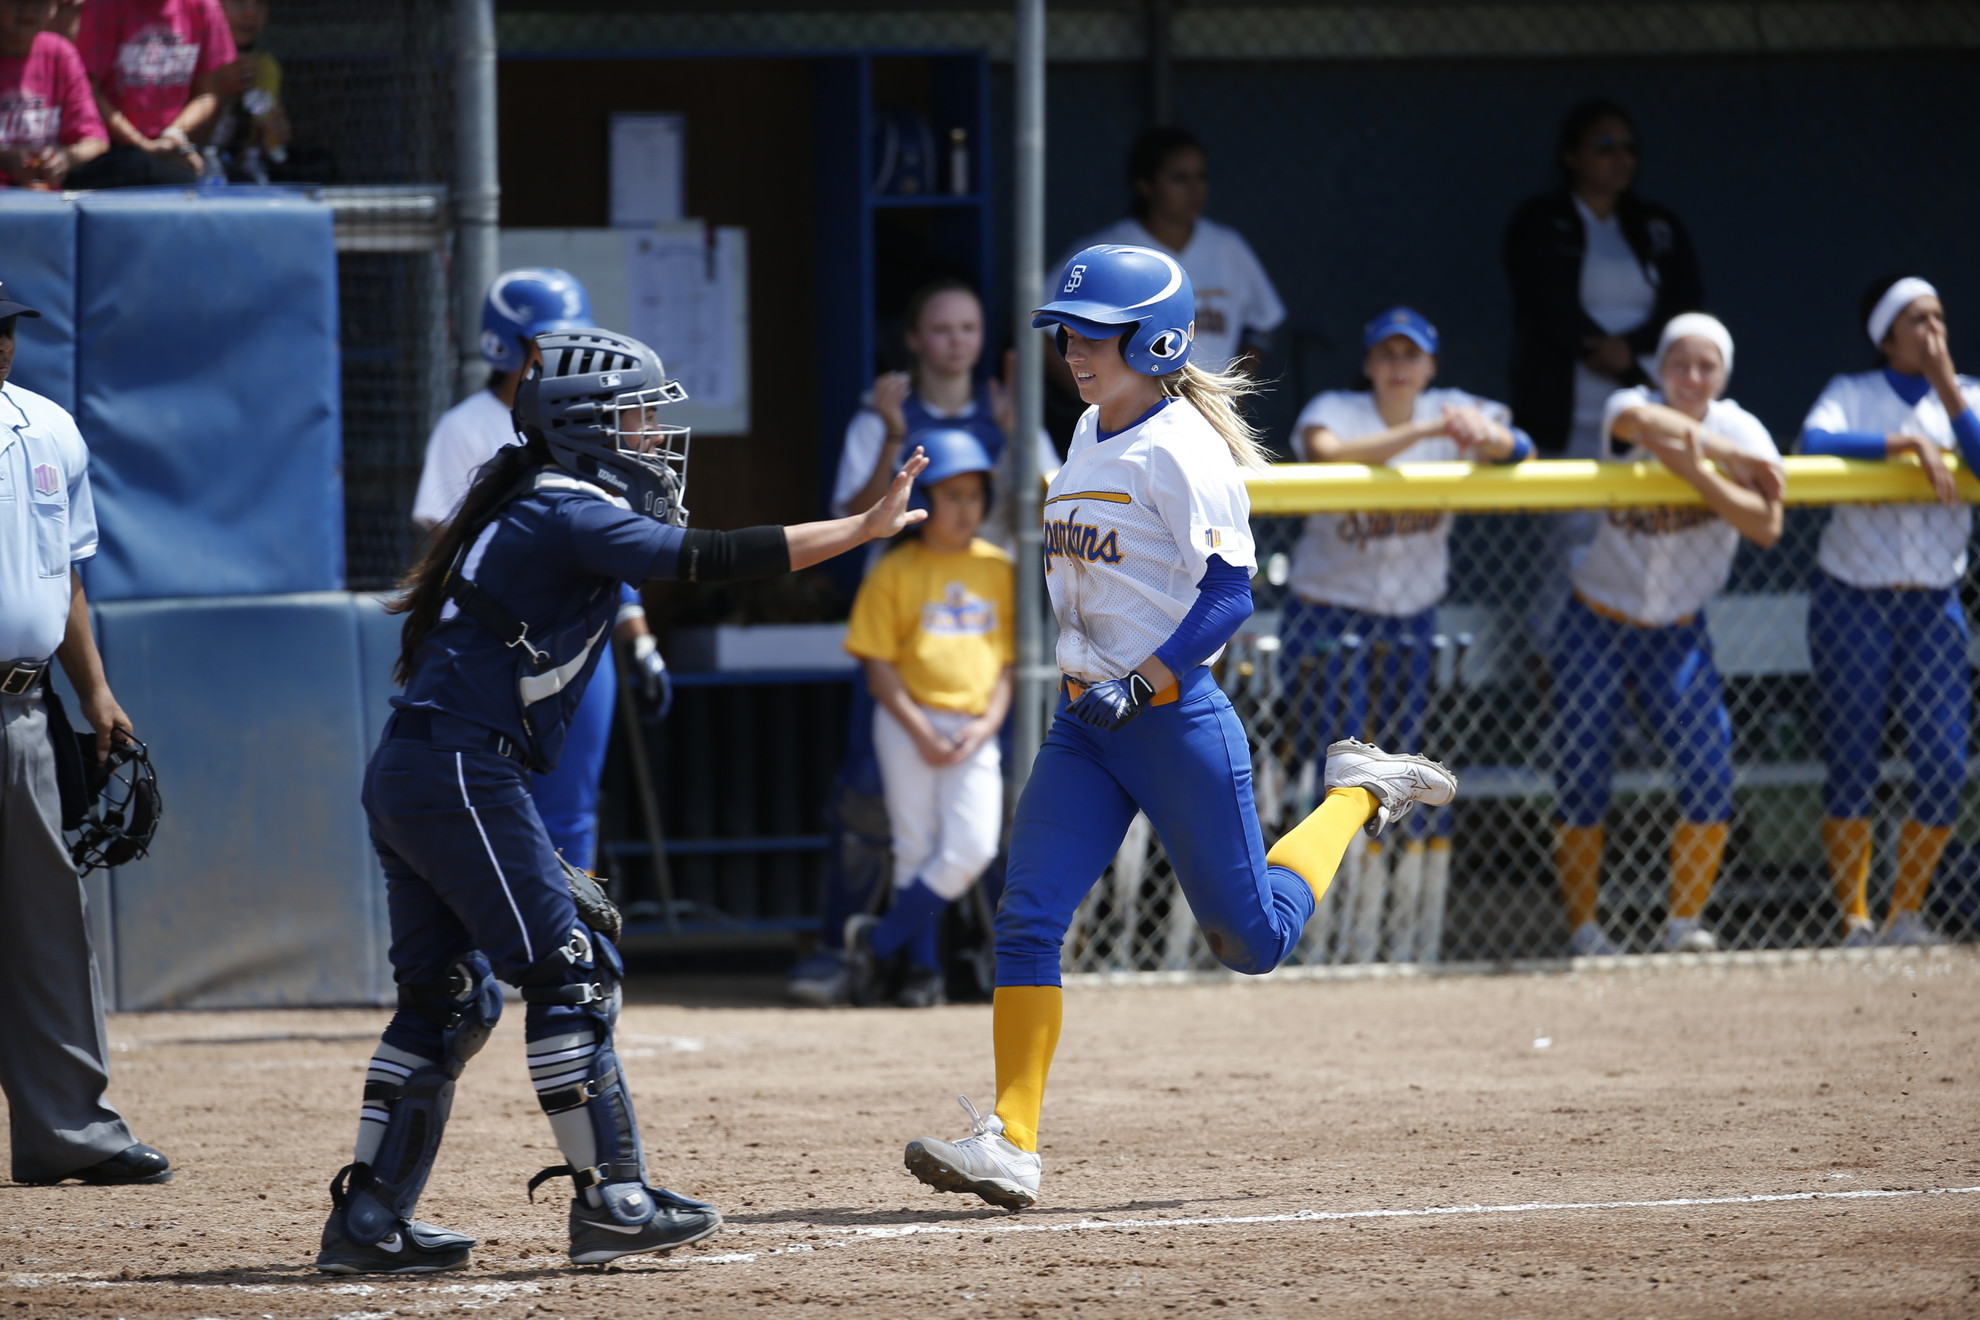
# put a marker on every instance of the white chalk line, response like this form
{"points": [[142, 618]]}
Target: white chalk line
{"points": [[884, 1232], [893, 1232]]}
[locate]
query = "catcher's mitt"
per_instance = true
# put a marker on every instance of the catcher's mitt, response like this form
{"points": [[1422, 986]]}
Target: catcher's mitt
{"points": [[594, 909]]}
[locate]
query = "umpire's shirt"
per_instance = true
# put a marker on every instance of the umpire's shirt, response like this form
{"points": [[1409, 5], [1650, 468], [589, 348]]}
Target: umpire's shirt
{"points": [[47, 522]]}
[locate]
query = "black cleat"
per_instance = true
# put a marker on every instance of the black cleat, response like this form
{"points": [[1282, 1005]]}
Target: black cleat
{"points": [[598, 1238], [411, 1247], [134, 1164]]}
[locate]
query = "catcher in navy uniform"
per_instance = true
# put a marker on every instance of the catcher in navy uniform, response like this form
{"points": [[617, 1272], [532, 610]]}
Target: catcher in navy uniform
{"points": [[505, 620]]}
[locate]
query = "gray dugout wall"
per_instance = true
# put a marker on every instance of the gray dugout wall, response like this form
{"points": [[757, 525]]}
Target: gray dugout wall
{"points": [[1364, 183]]}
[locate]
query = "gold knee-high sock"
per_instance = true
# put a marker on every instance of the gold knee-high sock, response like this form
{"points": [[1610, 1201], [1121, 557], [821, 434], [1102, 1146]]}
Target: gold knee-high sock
{"points": [[1312, 849], [1696, 851], [1919, 848], [1025, 1023], [1847, 844], [1578, 857]]}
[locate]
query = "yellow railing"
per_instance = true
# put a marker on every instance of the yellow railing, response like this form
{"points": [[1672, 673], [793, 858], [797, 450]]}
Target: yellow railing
{"points": [[1293, 488]]}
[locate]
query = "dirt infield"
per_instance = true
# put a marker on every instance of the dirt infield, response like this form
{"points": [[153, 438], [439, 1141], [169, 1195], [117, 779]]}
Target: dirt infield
{"points": [[1251, 1148]]}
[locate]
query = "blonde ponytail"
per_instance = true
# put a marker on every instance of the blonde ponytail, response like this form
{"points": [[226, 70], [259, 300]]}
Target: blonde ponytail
{"points": [[1219, 397]]}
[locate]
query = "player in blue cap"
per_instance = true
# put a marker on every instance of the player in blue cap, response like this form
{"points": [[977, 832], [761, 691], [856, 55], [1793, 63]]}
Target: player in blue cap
{"points": [[1378, 577], [1148, 559], [522, 304], [932, 625]]}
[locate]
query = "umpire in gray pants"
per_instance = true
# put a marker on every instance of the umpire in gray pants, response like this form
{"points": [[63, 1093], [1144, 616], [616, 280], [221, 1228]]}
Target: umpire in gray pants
{"points": [[54, 1058]]}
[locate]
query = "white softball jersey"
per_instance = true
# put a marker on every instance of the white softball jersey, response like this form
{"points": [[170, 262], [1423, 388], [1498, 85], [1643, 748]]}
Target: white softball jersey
{"points": [[1892, 545], [1130, 525], [466, 436], [1233, 292], [1392, 564], [1660, 564]]}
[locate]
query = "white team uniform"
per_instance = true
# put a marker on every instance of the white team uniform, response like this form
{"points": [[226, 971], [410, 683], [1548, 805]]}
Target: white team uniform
{"points": [[1892, 545], [1130, 525], [1657, 566], [1233, 292], [466, 436], [1392, 564]]}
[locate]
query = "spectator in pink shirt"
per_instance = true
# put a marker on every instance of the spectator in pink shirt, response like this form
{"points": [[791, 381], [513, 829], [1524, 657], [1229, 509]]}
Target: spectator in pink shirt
{"points": [[156, 66], [48, 119]]}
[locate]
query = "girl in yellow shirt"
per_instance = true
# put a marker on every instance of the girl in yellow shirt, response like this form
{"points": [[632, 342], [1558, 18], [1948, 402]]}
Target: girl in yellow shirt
{"points": [[932, 625]]}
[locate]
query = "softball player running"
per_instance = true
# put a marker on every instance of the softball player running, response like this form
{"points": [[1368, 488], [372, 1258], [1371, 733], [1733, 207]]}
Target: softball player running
{"points": [[1637, 616], [504, 619], [520, 305], [1148, 554], [1380, 576], [1885, 624]]}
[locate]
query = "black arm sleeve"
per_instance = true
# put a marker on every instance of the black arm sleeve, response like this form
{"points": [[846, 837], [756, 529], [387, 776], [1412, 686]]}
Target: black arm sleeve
{"points": [[750, 552]]}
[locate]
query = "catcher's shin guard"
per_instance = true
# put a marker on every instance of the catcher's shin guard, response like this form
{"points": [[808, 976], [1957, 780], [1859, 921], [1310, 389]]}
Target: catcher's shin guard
{"points": [[583, 1093], [578, 1081], [378, 1194]]}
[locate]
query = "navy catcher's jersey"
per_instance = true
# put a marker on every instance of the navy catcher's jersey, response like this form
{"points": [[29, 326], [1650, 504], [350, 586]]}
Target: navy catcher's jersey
{"points": [[554, 558]]}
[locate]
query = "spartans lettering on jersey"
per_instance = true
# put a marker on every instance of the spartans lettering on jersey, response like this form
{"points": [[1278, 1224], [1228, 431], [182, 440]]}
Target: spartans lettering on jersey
{"points": [[1359, 529], [1661, 520], [1074, 539], [960, 613]]}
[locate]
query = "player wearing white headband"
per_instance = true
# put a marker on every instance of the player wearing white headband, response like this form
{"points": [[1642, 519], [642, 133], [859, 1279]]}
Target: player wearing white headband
{"points": [[1885, 624], [1148, 558], [1379, 577], [1637, 617]]}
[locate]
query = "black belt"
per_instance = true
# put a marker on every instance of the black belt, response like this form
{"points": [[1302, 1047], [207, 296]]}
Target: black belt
{"points": [[19, 677], [444, 730]]}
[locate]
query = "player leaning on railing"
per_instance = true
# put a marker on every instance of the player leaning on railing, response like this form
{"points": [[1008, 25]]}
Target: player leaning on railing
{"points": [[505, 617], [1148, 559], [1368, 580], [1885, 623], [1637, 618]]}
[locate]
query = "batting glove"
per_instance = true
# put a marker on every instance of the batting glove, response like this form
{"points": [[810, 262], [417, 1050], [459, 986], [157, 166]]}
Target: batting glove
{"points": [[650, 668], [1111, 704]]}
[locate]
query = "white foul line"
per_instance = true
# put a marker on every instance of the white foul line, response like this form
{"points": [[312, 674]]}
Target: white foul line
{"points": [[880, 1232]]}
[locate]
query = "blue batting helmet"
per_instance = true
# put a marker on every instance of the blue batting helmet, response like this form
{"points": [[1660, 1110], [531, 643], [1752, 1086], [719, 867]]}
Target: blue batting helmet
{"points": [[951, 452], [1112, 289], [522, 304]]}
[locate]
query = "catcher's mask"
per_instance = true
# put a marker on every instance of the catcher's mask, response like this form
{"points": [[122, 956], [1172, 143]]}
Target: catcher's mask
{"points": [[595, 398], [121, 822]]}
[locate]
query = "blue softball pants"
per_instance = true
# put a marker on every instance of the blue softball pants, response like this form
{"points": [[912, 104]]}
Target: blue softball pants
{"points": [[1678, 691], [1874, 648], [1188, 766], [468, 866], [567, 797]]}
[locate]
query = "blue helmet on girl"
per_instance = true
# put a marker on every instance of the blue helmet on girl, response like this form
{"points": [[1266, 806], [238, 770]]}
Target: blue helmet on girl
{"points": [[1112, 289], [951, 452], [524, 303]]}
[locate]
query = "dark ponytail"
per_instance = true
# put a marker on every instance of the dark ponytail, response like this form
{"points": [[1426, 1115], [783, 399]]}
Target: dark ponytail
{"points": [[422, 591]]}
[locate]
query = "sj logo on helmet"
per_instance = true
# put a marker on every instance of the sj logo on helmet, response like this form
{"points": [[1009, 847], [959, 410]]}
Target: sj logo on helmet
{"points": [[1074, 278]]}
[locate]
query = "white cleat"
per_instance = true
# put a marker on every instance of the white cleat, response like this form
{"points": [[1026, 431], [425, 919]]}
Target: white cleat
{"points": [[1907, 930], [1399, 780], [1685, 935], [1588, 941], [983, 1162], [1859, 933]]}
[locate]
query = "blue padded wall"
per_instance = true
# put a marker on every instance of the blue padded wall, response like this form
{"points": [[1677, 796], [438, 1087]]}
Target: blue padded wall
{"points": [[262, 888], [208, 390], [38, 266]]}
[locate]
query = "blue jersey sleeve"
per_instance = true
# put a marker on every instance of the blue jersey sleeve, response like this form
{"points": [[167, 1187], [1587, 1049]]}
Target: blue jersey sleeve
{"points": [[1844, 444], [617, 543], [1223, 603]]}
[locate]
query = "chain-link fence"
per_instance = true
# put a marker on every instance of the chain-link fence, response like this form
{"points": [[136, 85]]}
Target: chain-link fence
{"points": [[1768, 762], [366, 92]]}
